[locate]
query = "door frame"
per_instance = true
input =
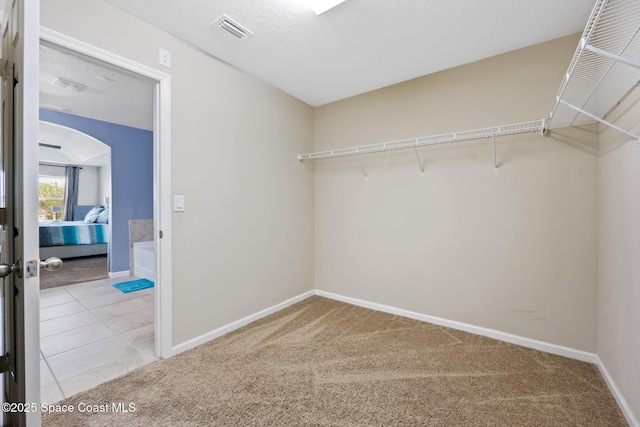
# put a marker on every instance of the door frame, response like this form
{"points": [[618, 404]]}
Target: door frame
{"points": [[20, 22], [161, 177]]}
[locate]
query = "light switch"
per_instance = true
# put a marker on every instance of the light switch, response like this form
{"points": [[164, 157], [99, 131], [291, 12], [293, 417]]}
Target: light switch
{"points": [[178, 203]]}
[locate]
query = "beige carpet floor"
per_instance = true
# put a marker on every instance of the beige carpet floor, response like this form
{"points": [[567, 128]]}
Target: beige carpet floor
{"points": [[325, 363], [75, 270]]}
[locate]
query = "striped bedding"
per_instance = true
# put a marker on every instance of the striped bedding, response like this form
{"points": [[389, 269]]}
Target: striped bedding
{"points": [[60, 233]]}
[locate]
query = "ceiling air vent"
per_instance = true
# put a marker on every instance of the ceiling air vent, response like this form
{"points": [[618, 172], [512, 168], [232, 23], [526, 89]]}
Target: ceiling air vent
{"points": [[232, 27]]}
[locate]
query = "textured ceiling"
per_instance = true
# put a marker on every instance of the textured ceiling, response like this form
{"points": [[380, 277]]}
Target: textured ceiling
{"points": [[360, 45], [112, 94]]}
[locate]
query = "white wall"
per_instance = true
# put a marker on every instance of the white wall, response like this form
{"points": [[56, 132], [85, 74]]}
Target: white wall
{"points": [[88, 186], [619, 266], [245, 242], [104, 184], [514, 251]]}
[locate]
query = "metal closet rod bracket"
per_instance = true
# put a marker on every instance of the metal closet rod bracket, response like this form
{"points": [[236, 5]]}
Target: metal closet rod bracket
{"points": [[420, 164], [364, 172]]}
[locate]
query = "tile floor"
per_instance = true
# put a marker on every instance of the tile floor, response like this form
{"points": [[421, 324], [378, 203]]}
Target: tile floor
{"points": [[90, 333]]}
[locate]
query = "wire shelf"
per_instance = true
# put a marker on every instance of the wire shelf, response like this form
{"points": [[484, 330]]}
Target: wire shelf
{"points": [[604, 69], [469, 135]]}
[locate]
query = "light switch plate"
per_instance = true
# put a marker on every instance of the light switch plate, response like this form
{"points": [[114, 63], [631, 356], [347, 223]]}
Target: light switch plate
{"points": [[178, 203], [165, 58]]}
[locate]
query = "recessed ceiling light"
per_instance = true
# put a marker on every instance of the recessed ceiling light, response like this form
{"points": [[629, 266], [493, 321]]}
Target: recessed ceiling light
{"points": [[321, 6]]}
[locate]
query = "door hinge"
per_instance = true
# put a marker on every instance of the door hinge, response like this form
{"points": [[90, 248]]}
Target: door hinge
{"points": [[5, 365], [3, 216]]}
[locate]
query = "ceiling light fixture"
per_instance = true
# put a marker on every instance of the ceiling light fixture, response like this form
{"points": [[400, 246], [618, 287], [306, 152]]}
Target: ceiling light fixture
{"points": [[321, 6], [68, 84]]}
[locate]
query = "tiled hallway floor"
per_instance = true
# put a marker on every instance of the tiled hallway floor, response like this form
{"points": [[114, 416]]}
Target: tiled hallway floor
{"points": [[90, 333]]}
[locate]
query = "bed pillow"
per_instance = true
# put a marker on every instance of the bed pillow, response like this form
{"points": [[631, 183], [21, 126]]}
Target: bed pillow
{"points": [[92, 215], [103, 218]]}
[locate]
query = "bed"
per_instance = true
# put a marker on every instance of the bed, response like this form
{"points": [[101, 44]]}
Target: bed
{"points": [[71, 239]]}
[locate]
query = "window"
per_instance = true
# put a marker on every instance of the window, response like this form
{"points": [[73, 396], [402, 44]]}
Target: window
{"points": [[51, 197]]}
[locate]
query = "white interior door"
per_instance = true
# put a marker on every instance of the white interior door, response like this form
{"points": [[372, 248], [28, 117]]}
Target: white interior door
{"points": [[19, 214]]}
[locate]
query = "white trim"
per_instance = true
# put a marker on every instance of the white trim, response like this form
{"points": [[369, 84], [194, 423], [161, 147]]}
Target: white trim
{"points": [[622, 402], [103, 55], [491, 333], [187, 345], [25, 49], [162, 217], [116, 274], [161, 176]]}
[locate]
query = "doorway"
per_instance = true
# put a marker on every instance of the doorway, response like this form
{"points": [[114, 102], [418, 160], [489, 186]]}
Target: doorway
{"points": [[74, 179], [158, 117]]}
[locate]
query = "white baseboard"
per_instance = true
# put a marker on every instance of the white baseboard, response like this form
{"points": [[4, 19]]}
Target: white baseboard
{"points": [[622, 402], [115, 274], [491, 333], [187, 345]]}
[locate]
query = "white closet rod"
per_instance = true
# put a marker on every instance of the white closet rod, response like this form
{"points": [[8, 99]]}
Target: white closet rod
{"points": [[469, 135]]}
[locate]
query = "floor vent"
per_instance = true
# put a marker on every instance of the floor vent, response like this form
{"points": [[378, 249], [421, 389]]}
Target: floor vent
{"points": [[232, 27]]}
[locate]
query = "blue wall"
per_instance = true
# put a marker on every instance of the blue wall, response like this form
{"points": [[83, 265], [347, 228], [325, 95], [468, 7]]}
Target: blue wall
{"points": [[131, 176]]}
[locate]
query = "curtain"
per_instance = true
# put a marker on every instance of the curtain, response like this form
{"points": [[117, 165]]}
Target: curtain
{"points": [[72, 175]]}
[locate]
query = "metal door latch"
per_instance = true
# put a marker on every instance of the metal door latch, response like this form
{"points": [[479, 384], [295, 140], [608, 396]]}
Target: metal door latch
{"points": [[31, 269]]}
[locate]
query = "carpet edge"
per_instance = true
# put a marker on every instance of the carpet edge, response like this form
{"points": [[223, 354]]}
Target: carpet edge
{"points": [[556, 349], [230, 327]]}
